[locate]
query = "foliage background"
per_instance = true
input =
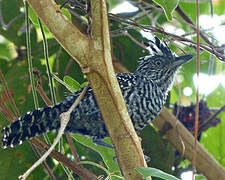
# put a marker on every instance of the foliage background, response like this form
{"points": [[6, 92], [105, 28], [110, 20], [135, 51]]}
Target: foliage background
{"points": [[13, 64]]}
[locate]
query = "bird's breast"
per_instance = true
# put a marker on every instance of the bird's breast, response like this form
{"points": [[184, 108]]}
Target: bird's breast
{"points": [[144, 104]]}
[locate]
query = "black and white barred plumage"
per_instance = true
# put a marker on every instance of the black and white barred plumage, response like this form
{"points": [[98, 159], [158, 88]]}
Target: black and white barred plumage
{"points": [[144, 92]]}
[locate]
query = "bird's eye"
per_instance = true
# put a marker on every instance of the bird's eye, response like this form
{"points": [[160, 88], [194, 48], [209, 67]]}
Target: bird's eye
{"points": [[158, 63]]}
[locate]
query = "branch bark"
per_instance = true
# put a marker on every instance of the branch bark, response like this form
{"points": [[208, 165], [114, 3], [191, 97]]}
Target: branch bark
{"points": [[94, 56], [78, 169], [205, 162], [69, 37]]}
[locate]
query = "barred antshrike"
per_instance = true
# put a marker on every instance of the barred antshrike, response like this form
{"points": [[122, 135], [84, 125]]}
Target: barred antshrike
{"points": [[144, 92]]}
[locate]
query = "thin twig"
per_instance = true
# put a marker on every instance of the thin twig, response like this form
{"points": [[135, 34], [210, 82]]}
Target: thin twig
{"points": [[211, 49], [191, 23], [211, 118], [81, 171], [72, 147], [49, 103], [65, 117], [45, 46], [134, 40], [41, 91], [9, 96], [6, 111], [197, 94], [69, 66], [145, 12], [78, 169], [44, 96], [29, 58], [49, 171], [64, 3], [178, 110], [11, 22], [61, 82]]}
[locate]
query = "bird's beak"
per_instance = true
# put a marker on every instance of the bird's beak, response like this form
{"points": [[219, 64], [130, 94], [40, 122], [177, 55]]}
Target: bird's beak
{"points": [[182, 59]]}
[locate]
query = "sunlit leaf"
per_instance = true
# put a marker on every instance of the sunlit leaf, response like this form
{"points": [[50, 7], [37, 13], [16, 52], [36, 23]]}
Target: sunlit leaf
{"points": [[155, 173], [107, 154], [33, 17], [168, 6], [66, 13], [72, 83]]}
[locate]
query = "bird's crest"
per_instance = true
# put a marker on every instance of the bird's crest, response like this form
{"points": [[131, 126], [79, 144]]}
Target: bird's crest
{"points": [[158, 47]]}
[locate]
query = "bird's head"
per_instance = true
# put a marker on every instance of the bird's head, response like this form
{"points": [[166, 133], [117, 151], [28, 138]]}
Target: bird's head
{"points": [[161, 65]]}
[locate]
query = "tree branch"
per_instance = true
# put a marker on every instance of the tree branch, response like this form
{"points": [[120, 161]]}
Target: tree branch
{"points": [[94, 57], [64, 31], [110, 99], [78, 169], [204, 161]]}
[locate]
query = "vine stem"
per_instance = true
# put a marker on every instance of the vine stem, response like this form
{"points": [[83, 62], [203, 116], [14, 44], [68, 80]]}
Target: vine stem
{"points": [[45, 45], [197, 95], [29, 58]]}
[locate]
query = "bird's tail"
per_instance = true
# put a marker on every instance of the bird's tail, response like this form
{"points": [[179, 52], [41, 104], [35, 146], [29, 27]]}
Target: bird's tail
{"points": [[32, 124]]}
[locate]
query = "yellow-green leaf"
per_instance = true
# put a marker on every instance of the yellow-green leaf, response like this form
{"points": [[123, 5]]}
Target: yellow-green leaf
{"points": [[146, 172], [72, 84], [168, 6]]}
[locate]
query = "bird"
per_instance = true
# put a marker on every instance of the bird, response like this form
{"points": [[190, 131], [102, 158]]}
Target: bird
{"points": [[144, 92]]}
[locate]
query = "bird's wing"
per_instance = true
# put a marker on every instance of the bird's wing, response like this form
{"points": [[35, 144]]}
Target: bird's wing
{"points": [[88, 103], [126, 80], [87, 112]]}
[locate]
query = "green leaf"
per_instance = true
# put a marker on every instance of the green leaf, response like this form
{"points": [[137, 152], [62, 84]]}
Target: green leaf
{"points": [[14, 162], [84, 84], [200, 177], [4, 65], [157, 149], [168, 6], [5, 51], [146, 172], [72, 83], [190, 8], [33, 17], [218, 7], [106, 153], [113, 4], [66, 13]]}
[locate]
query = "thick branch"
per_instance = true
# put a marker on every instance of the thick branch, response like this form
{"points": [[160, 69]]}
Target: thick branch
{"points": [[75, 43], [109, 96], [205, 161], [94, 56]]}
